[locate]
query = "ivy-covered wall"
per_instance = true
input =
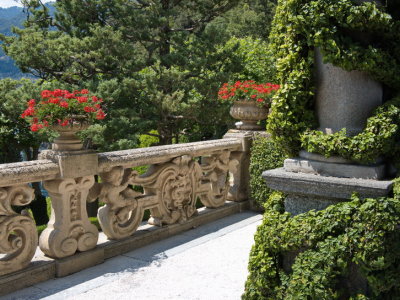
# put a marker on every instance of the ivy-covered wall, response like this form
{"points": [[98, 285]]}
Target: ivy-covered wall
{"points": [[362, 234]]}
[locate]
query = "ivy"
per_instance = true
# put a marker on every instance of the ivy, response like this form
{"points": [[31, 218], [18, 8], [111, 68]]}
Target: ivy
{"points": [[299, 27], [313, 255], [362, 233]]}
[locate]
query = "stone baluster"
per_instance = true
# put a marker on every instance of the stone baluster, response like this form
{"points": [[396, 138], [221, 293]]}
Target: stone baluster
{"points": [[69, 229], [18, 235]]}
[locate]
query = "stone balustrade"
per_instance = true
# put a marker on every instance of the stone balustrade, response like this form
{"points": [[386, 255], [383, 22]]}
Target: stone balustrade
{"points": [[177, 177]]}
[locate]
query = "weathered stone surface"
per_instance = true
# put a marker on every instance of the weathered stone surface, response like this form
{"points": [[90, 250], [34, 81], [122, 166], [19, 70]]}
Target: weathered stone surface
{"points": [[18, 235], [161, 154], [335, 169], [27, 171], [79, 261], [309, 191], [344, 99], [249, 113], [37, 271], [73, 164], [318, 157], [69, 229], [239, 186]]}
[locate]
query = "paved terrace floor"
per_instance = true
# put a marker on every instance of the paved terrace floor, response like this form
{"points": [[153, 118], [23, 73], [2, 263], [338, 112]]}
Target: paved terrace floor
{"points": [[208, 262]]}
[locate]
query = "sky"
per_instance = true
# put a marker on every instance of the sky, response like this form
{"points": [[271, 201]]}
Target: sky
{"points": [[9, 3]]}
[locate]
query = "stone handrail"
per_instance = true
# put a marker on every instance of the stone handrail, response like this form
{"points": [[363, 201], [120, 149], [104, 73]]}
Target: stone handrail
{"points": [[177, 177]]}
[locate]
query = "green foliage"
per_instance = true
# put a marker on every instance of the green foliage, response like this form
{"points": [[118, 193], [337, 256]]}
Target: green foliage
{"points": [[265, 155], [156, 61], [148, 140], [250, 18], [379, 137], [15, 135], [333, 26], [362, 233], [328, 247], [159, 63]]}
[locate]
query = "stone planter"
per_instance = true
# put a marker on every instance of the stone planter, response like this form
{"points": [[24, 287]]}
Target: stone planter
{"points": [[344, 99], [67, 139], [249, 113]]}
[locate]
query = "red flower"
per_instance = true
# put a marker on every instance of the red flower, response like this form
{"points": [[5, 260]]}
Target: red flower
{"points": [[29, 111], [63, 123], [58, 93], [69, 95], [100, 115], [46, 94], [82, 99], [31, 102], [95, 99], [54, 100], [84, 92], [260, 100], [89, 109], [35, 127], [64, 104]]}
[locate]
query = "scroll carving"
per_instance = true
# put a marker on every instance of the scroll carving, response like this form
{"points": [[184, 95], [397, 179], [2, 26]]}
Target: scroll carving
{"points": [[18, 235], [171, 190], [175, 185], [122, 214], [69, 228], [215, 182]]}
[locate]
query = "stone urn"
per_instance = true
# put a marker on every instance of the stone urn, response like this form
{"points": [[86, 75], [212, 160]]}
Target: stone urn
{"points": [[67, 139], [249, 113]]}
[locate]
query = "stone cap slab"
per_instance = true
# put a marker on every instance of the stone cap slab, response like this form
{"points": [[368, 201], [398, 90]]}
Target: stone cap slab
{"points": [[160, 154], [300, 165], [28, 171], [331, 187]]}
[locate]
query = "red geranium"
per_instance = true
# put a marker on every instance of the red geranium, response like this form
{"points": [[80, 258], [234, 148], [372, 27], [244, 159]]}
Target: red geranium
{"points": [[62, 107], [248, 91]]}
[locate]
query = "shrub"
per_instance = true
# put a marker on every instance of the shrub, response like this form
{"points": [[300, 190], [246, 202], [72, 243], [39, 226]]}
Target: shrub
{"points": [[265, 155]]}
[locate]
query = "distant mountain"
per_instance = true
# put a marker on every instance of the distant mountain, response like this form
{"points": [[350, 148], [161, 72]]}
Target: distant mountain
{"points": [[9, 17]]}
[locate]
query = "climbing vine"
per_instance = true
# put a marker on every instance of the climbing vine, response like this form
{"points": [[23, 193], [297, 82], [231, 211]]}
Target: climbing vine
{"points": [[327, 254], [301, 26], [328, 243]]}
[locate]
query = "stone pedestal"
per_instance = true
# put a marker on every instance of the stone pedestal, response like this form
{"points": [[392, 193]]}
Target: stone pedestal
{"points": [[310, 191]]}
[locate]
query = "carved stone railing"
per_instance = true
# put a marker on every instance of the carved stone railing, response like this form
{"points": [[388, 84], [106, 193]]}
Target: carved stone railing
{"points": [[177, 177]]}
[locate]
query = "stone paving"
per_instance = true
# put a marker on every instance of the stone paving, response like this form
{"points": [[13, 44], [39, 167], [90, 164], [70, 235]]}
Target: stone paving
{"points": [[208, 262]]}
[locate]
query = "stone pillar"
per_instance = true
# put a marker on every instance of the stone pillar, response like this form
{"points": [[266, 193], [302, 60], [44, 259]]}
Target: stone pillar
{"points": [[69, 229], [239, 180]]}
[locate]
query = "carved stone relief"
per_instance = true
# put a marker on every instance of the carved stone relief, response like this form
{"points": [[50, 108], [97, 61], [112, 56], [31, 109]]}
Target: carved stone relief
{"points": [[18, 235], [69, 229], [171, 190]]}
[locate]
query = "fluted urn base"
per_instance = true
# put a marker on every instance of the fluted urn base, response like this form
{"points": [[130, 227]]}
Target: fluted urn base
{"points": [[67, 139], [249, 113]]}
